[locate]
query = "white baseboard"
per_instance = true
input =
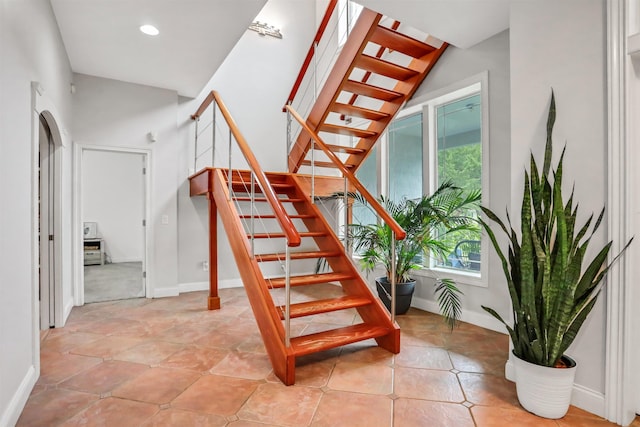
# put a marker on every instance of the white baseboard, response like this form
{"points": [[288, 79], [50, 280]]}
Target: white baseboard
{"points": [[204, 286], [165, 292], [67, 311], [120, 260], [588, 400], [195, 287], [582, 397], [479, 319], [16, 404]]}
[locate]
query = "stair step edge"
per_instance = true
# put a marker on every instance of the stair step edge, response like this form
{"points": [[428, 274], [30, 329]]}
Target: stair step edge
{"points": [[297, 255], [326, 340], [311, 308], [311, 279], [281, 235]]}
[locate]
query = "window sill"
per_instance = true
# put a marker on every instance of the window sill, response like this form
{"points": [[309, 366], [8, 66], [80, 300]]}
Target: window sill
{"points": [[460, 277]]}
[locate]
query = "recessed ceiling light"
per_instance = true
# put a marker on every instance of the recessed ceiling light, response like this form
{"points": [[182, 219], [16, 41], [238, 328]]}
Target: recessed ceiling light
{"points": [[149, 30]]}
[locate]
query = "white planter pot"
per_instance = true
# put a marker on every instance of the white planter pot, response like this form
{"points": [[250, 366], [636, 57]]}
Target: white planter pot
{"points": [[544, 391]]}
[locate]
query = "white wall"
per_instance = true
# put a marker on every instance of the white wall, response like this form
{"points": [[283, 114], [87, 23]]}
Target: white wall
{"points": [[455, 65], [113, 197], [254, 82], [117, 114], [561, 45], [30, 50]]}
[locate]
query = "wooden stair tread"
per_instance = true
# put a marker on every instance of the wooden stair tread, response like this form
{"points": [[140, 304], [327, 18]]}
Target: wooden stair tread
{"points": [[262, 199], [371, 91], [400, 42], [297, 255], [311, 279], [355, 111], [346, 130], [326, 340], [296, 216], [310, 308], [247, 185], [343, 149], [384, 68], [323, 164], [281, 235]]}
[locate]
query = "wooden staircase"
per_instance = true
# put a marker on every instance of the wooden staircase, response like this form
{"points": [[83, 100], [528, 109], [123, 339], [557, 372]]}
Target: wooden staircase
{"points": [[265, 293], [378, 102]]}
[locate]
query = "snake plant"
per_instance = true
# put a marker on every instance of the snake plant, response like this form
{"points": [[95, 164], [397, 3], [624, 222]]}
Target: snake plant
{"points": [[552, 289]]}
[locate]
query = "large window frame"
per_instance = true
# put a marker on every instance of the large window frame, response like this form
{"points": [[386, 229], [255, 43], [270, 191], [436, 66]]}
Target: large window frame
{"points": [[427, 104]]}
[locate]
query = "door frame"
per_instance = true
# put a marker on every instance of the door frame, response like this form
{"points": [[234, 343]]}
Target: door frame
{"points": [[42, 104], [50, 164], [622, 380], [78, 213]]}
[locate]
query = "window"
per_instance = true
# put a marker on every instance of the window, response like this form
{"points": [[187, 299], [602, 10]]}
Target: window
{"points": [[456, 139], [367, 174], [442, 138], [348, 13], [405, 142]]}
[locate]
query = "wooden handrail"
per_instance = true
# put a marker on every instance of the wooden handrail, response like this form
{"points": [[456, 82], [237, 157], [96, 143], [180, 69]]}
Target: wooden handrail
{"points": [[388, 219], [293, 237], [305, 65]]}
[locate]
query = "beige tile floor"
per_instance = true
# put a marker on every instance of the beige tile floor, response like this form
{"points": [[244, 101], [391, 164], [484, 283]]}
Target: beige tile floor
{"points": [[170, 362]]}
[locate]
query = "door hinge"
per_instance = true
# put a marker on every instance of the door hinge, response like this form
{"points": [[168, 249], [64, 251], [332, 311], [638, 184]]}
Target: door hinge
{"points": [[144, 274], [51, 237], [144, 171], [144, 222]]}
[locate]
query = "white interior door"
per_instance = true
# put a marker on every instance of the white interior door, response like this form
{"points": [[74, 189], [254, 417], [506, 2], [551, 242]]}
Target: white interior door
{"points": [[47, 228]]}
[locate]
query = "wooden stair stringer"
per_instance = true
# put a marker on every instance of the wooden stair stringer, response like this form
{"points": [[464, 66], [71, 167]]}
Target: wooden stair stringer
{"points": [[264, 310], [374, 313], [354, 46]]}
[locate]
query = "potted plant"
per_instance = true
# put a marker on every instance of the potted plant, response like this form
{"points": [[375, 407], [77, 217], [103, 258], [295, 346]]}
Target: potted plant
{"points": [[552, 289], [428, 221]]}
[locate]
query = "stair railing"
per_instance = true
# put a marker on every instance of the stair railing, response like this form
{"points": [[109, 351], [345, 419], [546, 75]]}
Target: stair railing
{"points": [[321, 56], [258, 177], [397, 232]]}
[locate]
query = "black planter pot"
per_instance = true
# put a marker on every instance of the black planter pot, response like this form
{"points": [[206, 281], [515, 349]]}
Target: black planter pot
{"points": [[404, 293]]}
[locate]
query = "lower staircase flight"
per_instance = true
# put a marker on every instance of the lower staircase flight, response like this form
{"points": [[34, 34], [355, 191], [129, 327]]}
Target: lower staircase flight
{"points": [[230, 195]]}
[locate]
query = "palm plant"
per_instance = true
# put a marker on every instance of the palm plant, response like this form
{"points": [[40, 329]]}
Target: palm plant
{"points": [[427, 221], [551, 294]]}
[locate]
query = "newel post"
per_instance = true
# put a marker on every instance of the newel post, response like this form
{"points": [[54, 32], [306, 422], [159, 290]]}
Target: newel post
{"points": [[213, 302]]}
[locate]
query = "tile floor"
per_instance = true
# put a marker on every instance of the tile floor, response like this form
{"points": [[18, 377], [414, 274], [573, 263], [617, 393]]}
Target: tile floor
{"points": [[170, 362]]}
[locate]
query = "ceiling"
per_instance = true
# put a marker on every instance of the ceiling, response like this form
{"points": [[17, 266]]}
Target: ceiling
{"points": [[102, 38], [461, 23]]}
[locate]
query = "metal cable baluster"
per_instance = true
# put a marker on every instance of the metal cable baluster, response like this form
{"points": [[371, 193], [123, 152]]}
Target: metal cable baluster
{"points": [[253, 204], [315, 97], [315, 71], [346, 217], [195, 149], [393, 276], [289, 141], [287, 287], [229, 174], [313, 170], [213, 138]]}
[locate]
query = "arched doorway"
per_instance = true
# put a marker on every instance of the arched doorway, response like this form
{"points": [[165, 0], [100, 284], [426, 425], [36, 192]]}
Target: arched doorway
{"points": [[49, 220]]}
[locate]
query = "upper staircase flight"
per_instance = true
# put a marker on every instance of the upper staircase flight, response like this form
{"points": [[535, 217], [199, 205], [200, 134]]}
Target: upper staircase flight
{"points": [[378, 69]]}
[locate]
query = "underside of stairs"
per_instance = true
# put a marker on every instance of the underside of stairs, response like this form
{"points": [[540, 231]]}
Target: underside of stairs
{"points": [[363, 106], [259, 257]]}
